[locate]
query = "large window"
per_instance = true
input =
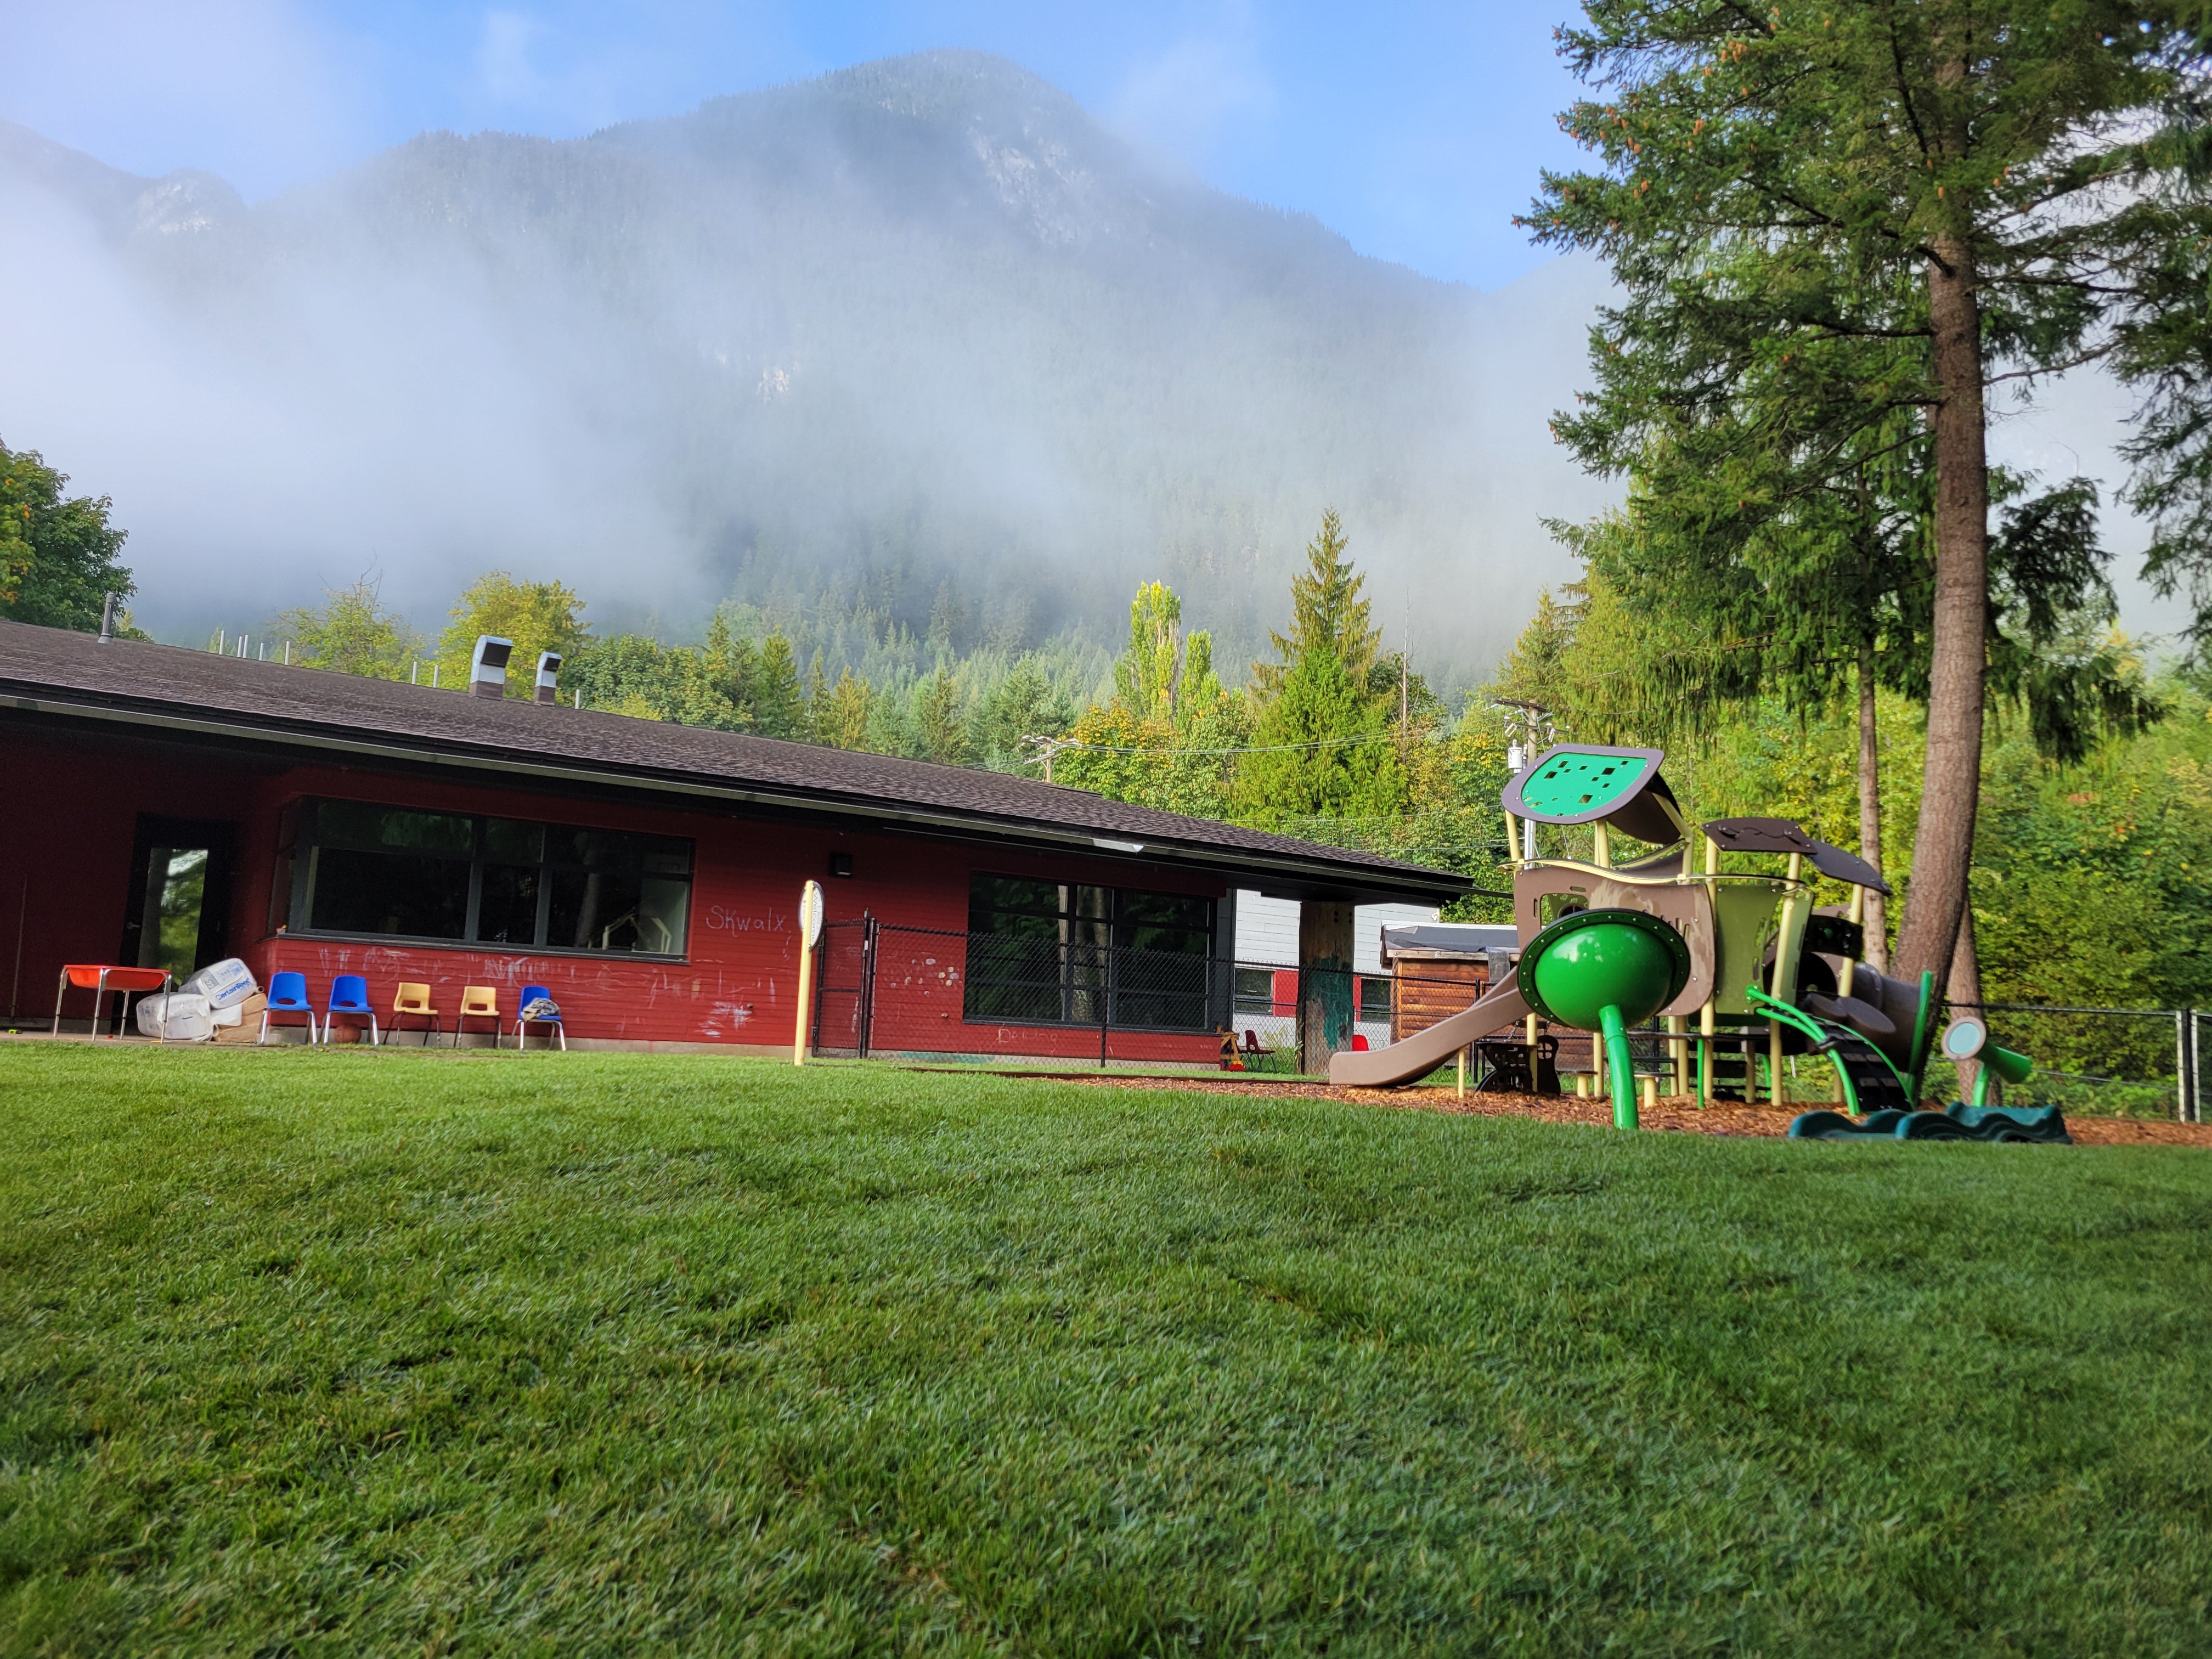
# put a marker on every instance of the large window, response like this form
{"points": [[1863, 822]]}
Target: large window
{"points": [[1043, 952], [393, 870]]}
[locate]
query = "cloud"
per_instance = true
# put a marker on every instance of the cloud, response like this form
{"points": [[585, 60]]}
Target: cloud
{"points": [[250, 89], [503, 67], [1187, 102]]}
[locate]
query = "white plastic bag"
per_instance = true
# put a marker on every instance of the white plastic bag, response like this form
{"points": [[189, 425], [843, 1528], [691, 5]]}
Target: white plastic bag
{"points": [[225, 984], [178, 1017]]}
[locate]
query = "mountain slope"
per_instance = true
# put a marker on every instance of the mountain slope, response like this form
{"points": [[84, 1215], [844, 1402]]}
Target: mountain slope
{"points": [[918, 336]]}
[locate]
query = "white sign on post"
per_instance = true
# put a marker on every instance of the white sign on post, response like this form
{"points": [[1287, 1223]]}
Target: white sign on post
{"points": [[810, 933]]}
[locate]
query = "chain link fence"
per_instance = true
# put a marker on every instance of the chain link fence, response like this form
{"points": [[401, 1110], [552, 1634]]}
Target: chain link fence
{"points": [[2100, 1062], [922, 994]]}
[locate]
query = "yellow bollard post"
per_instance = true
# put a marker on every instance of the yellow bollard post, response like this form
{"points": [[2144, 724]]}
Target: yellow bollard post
{"points": [[810, 933], [1462, 1073]]}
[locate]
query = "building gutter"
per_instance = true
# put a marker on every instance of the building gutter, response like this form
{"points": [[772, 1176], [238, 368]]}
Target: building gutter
{"points": [[1397, 883]]}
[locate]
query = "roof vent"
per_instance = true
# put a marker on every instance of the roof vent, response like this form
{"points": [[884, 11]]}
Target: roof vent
{"points": [[548, 677], [107, 617], [487, 668]]}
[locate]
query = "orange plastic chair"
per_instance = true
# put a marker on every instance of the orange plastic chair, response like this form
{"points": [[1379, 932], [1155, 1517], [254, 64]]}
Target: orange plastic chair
{"points": [[477, 1002], [415, 999]]}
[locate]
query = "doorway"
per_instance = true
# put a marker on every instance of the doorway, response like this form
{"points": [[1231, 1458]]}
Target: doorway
{"points": [[179, 906]]}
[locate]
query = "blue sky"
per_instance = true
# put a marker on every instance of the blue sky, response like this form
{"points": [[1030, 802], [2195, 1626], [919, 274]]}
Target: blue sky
{"points": [[1416, 130]]}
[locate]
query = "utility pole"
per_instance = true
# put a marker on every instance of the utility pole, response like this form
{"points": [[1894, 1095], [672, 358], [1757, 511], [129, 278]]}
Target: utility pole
{"points": [[1039, 751]]}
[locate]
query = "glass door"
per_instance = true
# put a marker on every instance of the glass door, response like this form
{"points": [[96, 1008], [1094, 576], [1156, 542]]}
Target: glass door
{"points": [[180, 895]]}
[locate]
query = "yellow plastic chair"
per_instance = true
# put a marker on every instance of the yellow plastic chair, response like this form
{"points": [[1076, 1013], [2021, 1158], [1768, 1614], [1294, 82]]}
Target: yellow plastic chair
{"points": [[477, 1002], [415, 999]]}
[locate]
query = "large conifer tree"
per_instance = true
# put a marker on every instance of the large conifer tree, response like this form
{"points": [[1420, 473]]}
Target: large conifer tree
{"points": [[1856, 210]]}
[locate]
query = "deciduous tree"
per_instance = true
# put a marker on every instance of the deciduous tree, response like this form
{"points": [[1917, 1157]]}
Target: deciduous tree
{"points": [[538, 616], [57, 553], [351, 633]]}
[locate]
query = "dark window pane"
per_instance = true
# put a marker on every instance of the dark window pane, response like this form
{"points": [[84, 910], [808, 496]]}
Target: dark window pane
{"points": [[1170, 910], [511, 841], [663, 855], [616, 910], [1159, 989], [1256, 990], [1007, 924], [357, 823], [662, 909], [1164, 921], [402, 893], [1375, 999], [507, 909], [1046, 951], [990, 894], [1015, 979]]}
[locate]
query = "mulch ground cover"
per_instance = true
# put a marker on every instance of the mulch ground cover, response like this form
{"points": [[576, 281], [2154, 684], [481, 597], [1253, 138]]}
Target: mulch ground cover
{"points": [[1679, 1113]]}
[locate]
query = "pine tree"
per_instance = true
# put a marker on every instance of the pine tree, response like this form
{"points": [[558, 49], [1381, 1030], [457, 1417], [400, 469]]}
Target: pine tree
{"points": [[1320, 750], [731, 665], [778, 708], [817, 700], [844, 721], [1861, 210], [942, 733], [1025, 704], [1326, 608]]}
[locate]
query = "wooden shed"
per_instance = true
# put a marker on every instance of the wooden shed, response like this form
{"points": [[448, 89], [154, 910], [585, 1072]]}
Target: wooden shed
{"points": [[1439, 969]]}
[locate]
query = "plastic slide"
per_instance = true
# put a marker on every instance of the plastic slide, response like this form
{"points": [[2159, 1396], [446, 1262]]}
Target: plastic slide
{"points": [[1422, 1052]]}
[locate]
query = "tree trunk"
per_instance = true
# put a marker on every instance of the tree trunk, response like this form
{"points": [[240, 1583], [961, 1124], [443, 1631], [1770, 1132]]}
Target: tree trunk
{"points": [[1943, 848], [1964, 990], [1877, 918]]}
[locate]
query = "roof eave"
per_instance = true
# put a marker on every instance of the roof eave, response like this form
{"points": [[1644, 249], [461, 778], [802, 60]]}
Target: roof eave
{"points": [[1309, 876]]}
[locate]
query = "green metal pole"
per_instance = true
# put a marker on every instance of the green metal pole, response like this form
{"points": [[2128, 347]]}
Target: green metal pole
{"points": [[1617, 1062]]}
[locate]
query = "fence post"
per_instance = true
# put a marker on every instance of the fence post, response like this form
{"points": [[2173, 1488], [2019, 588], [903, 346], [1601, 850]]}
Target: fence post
{"points": [[2196, 1066], [865, 1015], [2180, 1066]]}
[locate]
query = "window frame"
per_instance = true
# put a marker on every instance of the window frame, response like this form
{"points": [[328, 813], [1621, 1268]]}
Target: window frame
{"points": [[1209, 992], [302, 837]]}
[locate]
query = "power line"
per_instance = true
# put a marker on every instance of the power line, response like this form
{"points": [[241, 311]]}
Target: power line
{"points": [[1063, 744]]}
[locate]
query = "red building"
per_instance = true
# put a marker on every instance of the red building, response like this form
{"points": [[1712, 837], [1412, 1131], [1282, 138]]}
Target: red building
{"points": [[174, 807]]}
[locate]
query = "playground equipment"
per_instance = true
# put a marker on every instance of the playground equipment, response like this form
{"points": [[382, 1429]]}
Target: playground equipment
{"points": [[1968, 1038], [1726, 940]]}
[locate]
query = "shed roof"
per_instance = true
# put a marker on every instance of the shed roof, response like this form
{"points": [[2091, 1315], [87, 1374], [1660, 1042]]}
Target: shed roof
{"points": [[58, 674]]}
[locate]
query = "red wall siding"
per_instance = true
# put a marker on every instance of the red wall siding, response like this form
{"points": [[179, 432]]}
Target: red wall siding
{"points": [[72, 810]]}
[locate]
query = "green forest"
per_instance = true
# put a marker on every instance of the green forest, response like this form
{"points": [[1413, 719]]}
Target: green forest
{"points": [[2091, 833], [2085, 887]]}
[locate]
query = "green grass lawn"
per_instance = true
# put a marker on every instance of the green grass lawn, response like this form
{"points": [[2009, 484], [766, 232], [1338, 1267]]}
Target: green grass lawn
{"points": [[332, 1352]]}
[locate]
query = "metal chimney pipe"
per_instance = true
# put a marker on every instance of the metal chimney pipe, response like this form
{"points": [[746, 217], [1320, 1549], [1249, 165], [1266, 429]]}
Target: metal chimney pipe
{"points": [[548, 677], [106, 618], [488, 666]]}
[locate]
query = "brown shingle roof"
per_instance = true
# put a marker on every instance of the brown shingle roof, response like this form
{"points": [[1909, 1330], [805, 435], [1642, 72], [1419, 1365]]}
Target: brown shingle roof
{"points": [[60, 672]]}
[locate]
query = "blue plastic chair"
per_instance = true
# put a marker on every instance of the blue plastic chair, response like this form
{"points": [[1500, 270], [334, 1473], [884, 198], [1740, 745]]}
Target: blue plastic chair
{"points": [[288, 994], [349, 995], [530, 995]]}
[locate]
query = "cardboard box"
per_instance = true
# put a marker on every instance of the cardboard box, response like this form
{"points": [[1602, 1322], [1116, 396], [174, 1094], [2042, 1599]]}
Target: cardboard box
{"points": [[249, 1021]]}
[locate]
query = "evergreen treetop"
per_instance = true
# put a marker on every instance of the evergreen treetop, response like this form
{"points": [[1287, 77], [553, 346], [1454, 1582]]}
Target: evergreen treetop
{"points": [[1327, 610]]}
